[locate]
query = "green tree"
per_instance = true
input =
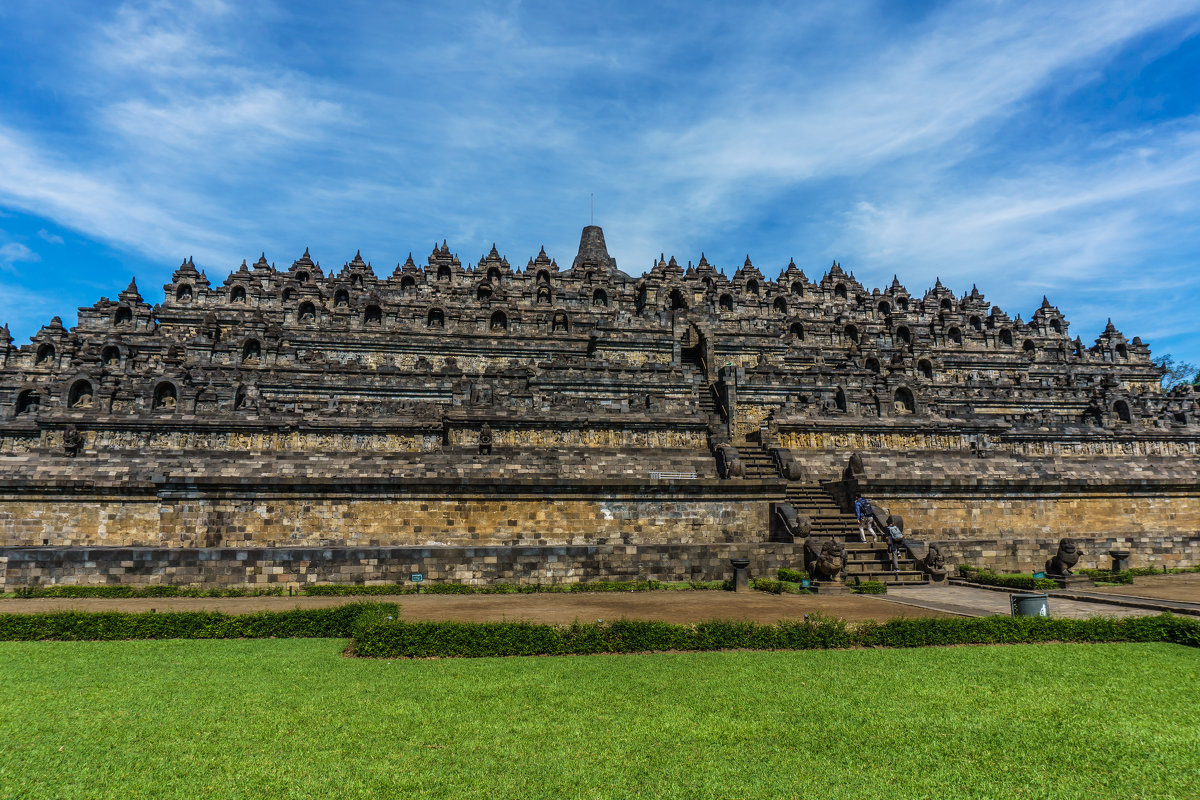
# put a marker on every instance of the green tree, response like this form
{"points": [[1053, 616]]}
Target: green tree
{"points": [[1176, 373]]}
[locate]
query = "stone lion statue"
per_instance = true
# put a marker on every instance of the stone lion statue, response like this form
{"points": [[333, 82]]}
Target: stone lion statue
{"points": [[824, 560], [1065, 559], [934, 564]]}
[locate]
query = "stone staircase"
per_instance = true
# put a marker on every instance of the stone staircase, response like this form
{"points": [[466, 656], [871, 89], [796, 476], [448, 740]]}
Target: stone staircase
{"points": [[811, 501], [696, 372], [868, 561], [708, 403], [756, 463]]}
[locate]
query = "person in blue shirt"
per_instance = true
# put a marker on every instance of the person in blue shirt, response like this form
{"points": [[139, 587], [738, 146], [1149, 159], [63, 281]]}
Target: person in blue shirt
{"points": [[866, 518]]}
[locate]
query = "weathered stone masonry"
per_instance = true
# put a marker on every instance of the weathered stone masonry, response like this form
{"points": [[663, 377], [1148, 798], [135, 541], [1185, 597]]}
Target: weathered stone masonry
{"points": [[501, 421]]}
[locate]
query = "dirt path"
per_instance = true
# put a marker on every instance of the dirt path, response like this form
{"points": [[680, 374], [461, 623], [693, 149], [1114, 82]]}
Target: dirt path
{"points": [[679, 606], [1184, 587]]}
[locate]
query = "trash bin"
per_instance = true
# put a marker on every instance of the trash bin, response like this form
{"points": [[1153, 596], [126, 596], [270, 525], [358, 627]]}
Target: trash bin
{"points": [[1030, 605]]}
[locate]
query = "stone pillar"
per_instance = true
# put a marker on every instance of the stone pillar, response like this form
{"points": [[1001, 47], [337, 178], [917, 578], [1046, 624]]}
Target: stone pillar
{"points": [[1120, 560], [741, 574]]}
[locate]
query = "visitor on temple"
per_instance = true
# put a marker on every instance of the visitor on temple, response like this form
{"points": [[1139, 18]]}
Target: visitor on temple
{"points": [[866, 518]]}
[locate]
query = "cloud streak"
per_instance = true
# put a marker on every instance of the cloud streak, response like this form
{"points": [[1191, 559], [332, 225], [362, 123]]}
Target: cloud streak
{"points": [[12, 253]]}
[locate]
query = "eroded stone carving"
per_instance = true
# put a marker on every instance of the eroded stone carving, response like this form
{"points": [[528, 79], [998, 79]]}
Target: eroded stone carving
{"points": [[790, 524], [1065, 559], [824, 558], [934, 564], [729, 465], [72, 441]]}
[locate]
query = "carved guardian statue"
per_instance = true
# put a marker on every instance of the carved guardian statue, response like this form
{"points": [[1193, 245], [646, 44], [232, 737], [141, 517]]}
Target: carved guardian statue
{"points": [[933, 564], [824, 559], [1065, 559]]}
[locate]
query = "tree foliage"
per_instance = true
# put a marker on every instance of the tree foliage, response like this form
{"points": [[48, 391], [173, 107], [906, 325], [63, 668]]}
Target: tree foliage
{"points": [[1176, 373]]}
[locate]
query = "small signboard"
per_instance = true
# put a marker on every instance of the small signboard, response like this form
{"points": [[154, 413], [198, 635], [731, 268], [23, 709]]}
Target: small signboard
{"points": [[1039, 575], [416, 577]]}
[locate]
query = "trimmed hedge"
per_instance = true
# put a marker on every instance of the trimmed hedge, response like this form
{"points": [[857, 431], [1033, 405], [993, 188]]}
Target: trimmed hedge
{"points": [[157, 590], [301, 623], [778, 587], [1126, 577], [905, 632], [870, 587], [343, 589], [792, 575], [988, 578], [401, 639], [481, 639]]}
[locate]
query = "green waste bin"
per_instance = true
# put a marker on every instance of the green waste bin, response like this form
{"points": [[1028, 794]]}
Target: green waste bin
{"points": [[1030, 605]]}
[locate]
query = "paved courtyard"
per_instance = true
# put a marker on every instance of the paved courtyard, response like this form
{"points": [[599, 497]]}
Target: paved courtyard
{"points": [[978, 602]]}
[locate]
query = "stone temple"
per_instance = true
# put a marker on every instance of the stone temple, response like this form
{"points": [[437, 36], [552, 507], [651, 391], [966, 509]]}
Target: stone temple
{"points": [[546, 424]]}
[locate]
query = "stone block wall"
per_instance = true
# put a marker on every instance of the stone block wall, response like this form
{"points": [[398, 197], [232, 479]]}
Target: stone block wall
{"points": [[1030, 555], [348, 565], [45, 519], [1051, 515], [463, 521], [199, 512], [1008, 511]]}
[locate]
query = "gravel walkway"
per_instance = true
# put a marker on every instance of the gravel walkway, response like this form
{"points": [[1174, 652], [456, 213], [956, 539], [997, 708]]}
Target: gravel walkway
{"points": [[672, 606]]}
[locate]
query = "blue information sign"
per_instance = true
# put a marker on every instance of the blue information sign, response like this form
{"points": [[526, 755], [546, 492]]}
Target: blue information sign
{"points": [[416, 577]]}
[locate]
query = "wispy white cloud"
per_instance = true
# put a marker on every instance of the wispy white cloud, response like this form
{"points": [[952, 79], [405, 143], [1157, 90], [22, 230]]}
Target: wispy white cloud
{"points": [[52, 238], [1105, 227], [970, 65], [100, 202], [12, 253]]}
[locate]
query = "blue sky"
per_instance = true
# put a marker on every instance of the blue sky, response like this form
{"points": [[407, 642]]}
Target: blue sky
{"points": [[1031, 148]]}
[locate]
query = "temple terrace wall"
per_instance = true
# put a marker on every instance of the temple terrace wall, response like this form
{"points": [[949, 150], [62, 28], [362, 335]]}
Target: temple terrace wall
{"points": [[1030, 555], [227, 566], [199, 512]]}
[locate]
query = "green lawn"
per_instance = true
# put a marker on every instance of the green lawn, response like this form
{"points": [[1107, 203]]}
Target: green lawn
{"points": [[293, 718]]}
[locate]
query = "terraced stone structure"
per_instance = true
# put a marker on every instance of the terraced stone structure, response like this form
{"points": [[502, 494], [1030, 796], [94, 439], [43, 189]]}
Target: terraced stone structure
{"points": [[486, 423]]}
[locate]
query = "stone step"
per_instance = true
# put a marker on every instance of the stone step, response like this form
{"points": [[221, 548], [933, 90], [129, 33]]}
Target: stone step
{"points": [[861, 551], [878, 565], [897, 578]]}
